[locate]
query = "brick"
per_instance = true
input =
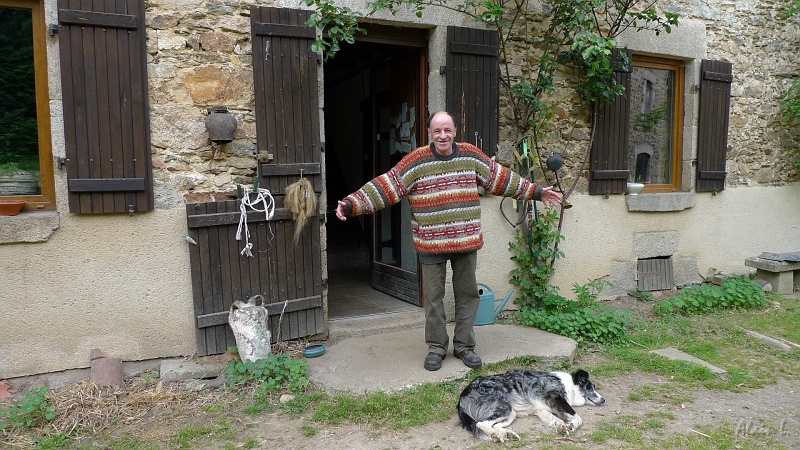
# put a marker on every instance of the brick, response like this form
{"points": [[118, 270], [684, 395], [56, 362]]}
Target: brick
{"points": [[104, 369]]}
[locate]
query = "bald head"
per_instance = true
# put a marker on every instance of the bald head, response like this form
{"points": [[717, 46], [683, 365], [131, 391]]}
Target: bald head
{"points": [[442, 132], [439, 114]]}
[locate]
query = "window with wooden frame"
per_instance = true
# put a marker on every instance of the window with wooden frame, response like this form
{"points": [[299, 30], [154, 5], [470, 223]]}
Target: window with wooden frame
{"points": [[26, 161], [655, 128]]}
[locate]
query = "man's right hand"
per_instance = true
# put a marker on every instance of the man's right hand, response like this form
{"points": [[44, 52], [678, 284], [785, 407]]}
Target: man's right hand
{"points": [[340, 211]]}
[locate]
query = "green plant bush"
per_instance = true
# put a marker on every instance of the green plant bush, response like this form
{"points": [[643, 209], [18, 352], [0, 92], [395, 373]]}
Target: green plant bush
{"points": [[29, 411], [583, 319], [540, 304], [734, 292], [272, 373]]}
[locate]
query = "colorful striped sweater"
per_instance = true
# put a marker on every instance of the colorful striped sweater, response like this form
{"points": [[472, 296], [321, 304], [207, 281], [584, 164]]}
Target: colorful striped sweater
{"points": [[443, 195]]}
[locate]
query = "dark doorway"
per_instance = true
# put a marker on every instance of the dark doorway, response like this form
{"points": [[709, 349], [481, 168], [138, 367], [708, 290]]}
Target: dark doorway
{"points": [[374, 114]]}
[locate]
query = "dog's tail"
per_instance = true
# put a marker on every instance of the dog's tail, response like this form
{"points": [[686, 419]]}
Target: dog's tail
{"points": [[467, 422]]}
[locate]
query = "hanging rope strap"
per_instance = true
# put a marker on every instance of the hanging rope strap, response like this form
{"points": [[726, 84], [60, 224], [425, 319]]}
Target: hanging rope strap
{"points": [[262, 196]]}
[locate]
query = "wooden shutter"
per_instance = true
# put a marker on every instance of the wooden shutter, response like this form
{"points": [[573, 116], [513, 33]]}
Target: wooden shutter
{"points": [[106, 117], [473, 85], [712, 141], [285, 75], [221, 275], [609, 162]]}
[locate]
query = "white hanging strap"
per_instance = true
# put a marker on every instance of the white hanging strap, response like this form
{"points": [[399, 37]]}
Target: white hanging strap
{"points": [[263, 196]]}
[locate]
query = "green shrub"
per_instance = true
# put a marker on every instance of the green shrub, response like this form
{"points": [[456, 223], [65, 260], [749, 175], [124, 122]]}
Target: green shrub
{"points": [[583, 319], [271, 373], [734, 292], [29, 411], [540, 304]]}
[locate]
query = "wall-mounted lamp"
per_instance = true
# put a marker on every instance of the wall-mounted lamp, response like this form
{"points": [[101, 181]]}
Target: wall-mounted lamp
{"points": [[221, 124]]}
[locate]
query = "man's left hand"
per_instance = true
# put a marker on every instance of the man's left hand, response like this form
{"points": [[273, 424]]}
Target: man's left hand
{"points": [[550, 197]]}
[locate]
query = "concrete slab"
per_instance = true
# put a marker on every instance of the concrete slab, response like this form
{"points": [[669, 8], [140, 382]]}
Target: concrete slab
{"points": [[675, 354], [392, 361], [780, 343]]}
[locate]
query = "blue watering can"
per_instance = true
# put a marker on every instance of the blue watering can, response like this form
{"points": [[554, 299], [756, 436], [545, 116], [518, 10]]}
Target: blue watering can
{"points": [[487, 313]]}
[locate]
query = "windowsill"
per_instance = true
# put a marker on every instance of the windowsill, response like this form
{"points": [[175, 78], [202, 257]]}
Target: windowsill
{"points": [[28, 226], [660, 202]]}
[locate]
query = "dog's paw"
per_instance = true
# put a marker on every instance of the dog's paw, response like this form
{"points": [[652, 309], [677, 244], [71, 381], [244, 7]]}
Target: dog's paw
{"points": [[564, 428], [505, 434], [576, 422]]}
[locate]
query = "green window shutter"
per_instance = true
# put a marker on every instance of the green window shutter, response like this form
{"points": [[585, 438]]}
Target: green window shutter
{"points": [[106, 117], [712, 137], [609, 165], [473, 85]]}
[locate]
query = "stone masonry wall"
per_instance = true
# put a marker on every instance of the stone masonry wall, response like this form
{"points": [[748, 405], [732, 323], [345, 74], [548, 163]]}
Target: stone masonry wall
{"points": [[752, 35], [200, 56]]}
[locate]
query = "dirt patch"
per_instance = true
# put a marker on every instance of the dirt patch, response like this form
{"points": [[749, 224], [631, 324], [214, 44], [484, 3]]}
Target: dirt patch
{"points": [[638, 308], [145, 408]]}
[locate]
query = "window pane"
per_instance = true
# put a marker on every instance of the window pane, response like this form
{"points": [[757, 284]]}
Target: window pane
{"points": [[651, 126], [19, 147]]}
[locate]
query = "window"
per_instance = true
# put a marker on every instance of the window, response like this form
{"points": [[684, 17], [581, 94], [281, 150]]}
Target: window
{"points": [[656, 122], [26, 162], [639, 135]]}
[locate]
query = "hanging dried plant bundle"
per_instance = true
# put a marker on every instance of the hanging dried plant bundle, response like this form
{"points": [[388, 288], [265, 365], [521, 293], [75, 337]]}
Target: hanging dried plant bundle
{"points": [[301, 201]]}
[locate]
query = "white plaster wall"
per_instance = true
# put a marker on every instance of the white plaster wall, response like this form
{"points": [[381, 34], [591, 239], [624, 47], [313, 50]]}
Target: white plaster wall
{"points": [[720, 231], [118, 283]]}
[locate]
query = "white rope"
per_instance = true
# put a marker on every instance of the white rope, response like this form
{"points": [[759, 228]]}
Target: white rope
{"points": [[263, 196]]}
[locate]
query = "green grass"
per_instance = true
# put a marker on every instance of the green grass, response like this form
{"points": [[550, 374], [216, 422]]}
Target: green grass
{"points": [[411, 407], [717, 338], [189, 437]]}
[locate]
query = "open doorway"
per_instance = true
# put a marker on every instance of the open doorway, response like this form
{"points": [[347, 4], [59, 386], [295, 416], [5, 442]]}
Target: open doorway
{"points": [[374, 114]]}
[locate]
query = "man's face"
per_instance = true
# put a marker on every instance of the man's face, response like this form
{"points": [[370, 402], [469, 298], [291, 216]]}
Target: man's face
{"points": [[442, 133]]}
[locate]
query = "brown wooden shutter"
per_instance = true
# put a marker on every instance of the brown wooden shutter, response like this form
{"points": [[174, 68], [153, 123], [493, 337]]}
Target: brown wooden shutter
{"points": [[609, 163], [221, 275], [285, 75], [473, 85], [712, 141], [106, 117]]}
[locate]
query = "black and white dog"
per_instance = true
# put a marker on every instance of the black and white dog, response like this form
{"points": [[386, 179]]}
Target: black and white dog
{"points": [[489, 404]]}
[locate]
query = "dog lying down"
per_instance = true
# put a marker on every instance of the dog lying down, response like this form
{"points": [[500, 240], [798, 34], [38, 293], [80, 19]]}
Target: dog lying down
{"points": [[488, 405]]}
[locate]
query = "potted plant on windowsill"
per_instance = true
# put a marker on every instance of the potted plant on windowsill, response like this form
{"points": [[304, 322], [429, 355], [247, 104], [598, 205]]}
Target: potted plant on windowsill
{"points": [[635, 186]]}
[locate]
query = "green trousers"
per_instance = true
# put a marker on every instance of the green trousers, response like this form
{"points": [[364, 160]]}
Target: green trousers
{"points": [[467, 299]]}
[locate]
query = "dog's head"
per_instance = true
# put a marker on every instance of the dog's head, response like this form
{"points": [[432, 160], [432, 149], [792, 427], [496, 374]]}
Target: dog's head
{"points": [[581, 380]]}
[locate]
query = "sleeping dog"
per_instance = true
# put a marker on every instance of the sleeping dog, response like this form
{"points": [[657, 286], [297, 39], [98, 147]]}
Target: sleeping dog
{"points": [[489, 404]]}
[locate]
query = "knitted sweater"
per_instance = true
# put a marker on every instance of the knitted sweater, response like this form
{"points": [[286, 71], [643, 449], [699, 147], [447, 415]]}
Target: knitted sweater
{"points": [[443, 195]]}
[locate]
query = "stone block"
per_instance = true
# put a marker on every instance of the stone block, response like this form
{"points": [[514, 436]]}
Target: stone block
{"points": [[675, 354], [104, 369], [655, 244], [172, 370], [782, 275]]}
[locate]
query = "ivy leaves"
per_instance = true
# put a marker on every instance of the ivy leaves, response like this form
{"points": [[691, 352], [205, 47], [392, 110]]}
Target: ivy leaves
{"points": [[339, 23]]}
